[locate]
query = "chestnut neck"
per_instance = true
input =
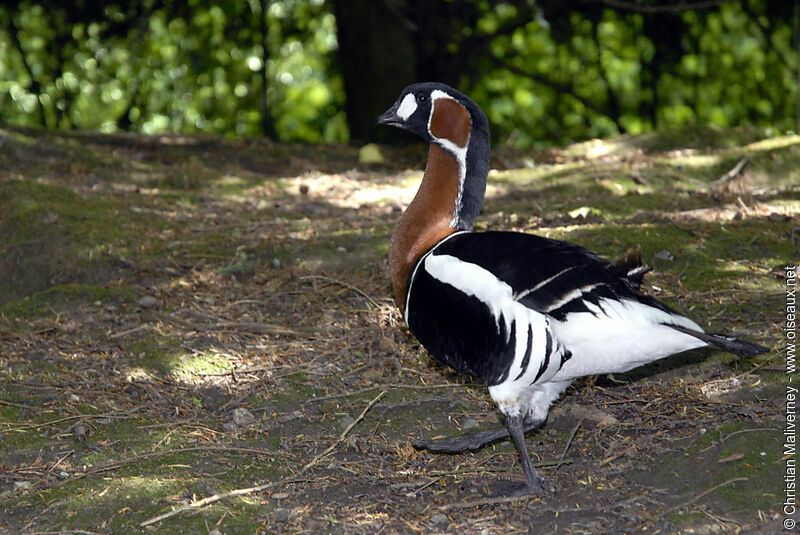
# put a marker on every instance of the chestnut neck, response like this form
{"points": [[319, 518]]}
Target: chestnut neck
{"points": [[427, 220]]}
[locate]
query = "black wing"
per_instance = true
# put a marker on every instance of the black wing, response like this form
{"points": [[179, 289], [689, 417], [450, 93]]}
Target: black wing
{"points": [[553, 277]]}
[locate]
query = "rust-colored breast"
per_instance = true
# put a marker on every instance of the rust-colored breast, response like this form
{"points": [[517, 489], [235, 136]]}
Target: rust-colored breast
{"points": [[427, 219]]}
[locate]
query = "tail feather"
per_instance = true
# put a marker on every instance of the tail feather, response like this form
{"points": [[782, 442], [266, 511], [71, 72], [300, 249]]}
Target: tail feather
{"points": [[742, 348], [631, 269]]}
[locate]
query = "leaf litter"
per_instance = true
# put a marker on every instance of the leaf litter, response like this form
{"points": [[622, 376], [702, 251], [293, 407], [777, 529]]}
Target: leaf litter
{"points": [[221, 352]]}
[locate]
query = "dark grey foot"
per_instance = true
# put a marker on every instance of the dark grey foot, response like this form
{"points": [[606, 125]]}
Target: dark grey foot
{"points": [[470, 441], [520, 489]]}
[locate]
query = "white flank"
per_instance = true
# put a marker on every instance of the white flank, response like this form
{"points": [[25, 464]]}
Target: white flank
{"points": [[407, 107], [533, 401], [617, 336]]}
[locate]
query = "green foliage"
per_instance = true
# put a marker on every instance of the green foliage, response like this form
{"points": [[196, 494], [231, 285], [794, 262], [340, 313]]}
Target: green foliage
{"points": [[613, 73], [174, 67], [544, 73]]}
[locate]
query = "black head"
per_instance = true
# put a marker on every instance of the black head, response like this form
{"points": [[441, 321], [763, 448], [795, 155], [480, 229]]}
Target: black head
{"points": [[442, 115], [437, 113]]}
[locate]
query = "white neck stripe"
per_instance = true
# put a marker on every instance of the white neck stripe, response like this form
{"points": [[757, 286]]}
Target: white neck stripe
{"points": [[458, 152]]}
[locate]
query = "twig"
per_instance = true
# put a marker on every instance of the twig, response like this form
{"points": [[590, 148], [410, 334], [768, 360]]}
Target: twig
{"points": [[249, 327], [238, 371], [426, 485], [623, 453], [767, 361], [476, 470], [712, 489], [325, 453], [70, 452], [259, 488], [126, 332], [216, 498], [730, 175], [6, 334], [371, 388], [569, 442], [20, 405], [726, 437], [63, 532], [486, 501], [346, 285], [135, 458], [120, 416]]}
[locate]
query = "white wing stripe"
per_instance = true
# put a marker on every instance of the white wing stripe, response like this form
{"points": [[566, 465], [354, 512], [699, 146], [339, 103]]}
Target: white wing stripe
{"points": [[497, 295], [472, 280], [523, 293], [416, 267], [574, 294]]}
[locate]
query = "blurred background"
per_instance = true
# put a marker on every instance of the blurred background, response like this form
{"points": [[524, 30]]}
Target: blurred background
{"points": [[546, 72]]}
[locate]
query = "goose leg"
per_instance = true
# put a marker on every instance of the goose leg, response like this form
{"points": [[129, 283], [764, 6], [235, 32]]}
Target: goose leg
{"points": [[533, 483]]}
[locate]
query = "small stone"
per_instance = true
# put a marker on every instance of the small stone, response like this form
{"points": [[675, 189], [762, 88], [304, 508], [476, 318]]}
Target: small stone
{"points": [[664, 255], [345, 421], [276, 263], [74, 398], [281, 515], [243, 417], [593, 414], [63, 474], [230, 426], [80, 432], [370, 153], [440, 519], [22, 485], [148, 301], [388, 344], [470, 423], [215, 531]]}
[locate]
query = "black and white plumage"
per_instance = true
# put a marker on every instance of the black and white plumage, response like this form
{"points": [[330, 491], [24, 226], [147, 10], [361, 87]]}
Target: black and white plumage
{"points": [[523, 313]]}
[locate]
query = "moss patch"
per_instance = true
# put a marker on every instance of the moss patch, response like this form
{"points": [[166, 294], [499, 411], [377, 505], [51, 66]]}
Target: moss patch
{"points": [[153, 290]]}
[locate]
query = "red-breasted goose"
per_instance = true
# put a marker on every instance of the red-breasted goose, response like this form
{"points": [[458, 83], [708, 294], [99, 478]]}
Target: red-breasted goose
{"points": [[524, 314]]}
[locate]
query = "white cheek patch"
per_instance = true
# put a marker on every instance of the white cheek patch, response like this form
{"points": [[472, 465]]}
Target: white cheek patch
{"points": [[407, 107]]}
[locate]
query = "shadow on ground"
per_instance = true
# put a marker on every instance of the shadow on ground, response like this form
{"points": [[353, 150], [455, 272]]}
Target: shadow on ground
{"points": [[197, 334]]}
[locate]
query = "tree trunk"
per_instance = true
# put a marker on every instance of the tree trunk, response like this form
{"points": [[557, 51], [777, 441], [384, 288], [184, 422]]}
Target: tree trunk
{"points": [[377, 56], [267, 124]]}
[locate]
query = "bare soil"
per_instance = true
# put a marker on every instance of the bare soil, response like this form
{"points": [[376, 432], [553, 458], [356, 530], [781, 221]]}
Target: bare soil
{"points": [[197, 336]]}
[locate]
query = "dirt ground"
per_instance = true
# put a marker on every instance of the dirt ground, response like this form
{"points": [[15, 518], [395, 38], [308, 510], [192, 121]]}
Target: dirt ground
{"points": [[197, 336]]}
